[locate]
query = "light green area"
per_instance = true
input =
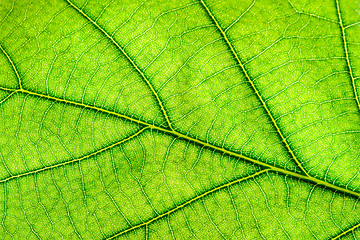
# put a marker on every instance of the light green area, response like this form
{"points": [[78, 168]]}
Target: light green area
{"points": [[194, 119]]}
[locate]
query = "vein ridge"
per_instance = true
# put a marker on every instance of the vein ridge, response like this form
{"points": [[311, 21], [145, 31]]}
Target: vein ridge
{"points": [[175, 133]]}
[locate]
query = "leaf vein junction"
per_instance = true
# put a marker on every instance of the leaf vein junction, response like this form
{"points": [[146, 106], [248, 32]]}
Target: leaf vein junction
{"points": [[241, 65], [132, 62], [73, 160], [197, 141], [188, 202]]}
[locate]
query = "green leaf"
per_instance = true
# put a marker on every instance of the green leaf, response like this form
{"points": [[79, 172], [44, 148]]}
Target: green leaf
{"points": [[179, 119]]}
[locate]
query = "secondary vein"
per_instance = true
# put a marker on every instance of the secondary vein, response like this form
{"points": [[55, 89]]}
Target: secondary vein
{"points": [[73, 160], [346, 231], [241, 65], [12, 65], [347, 54], [6, 98], [128, 58], [187, 203]]}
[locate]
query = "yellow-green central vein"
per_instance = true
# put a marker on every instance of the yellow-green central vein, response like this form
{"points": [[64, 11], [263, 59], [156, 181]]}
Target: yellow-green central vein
{"points": [[241, 65], [188, 138]]}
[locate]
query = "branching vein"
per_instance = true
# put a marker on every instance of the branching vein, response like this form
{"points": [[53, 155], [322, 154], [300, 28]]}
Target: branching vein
{"points": [[197, 141], [187, 203], [128, 58], [174, 133], [171, 131], [346, 231], [6, 98], [241, 65], [73, 160]]}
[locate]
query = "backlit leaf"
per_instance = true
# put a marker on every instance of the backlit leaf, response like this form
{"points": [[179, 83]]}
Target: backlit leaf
{"points": [[179, 119]]}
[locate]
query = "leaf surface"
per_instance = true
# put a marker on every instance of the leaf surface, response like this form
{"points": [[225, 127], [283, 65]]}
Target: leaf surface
{"points": [[179, 119]]}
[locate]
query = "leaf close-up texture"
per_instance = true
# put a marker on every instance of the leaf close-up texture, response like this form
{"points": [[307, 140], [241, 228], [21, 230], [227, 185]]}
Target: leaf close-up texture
{"points": [[191, 119]]}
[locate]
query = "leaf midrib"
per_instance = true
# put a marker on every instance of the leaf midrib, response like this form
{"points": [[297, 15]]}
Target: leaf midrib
{"points": [[180, 135], [176, 134]]}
